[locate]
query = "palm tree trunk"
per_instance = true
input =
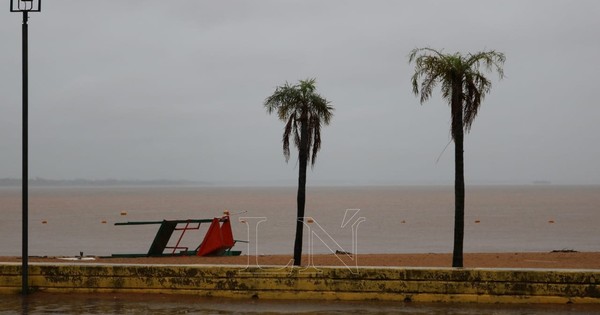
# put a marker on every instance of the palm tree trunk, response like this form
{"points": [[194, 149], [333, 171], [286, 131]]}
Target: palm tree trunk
{"points": [[459, 180], [459, 202], [301, 198]]}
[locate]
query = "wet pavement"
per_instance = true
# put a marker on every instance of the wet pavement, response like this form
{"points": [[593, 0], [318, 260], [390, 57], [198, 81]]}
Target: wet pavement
{"points": [[46, 303]]}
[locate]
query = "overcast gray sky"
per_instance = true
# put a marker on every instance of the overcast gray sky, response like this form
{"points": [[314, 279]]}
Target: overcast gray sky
{"points": [[175, 89]]}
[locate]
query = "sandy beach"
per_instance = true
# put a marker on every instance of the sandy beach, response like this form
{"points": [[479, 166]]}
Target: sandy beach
{"points": [[552, 260]]}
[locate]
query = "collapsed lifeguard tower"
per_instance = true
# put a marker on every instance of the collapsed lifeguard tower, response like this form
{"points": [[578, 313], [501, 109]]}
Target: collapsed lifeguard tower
{"points": [[217, 241]]}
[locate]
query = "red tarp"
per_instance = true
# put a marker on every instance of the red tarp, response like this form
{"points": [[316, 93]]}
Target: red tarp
{"points": [[218, 238]]}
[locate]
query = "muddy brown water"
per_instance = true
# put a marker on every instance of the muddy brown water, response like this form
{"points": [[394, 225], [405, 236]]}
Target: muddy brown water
{"points": [[397, 219]]}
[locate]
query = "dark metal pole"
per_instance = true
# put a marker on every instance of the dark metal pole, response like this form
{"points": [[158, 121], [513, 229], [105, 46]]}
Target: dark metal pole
{"points": [[25, 166]]}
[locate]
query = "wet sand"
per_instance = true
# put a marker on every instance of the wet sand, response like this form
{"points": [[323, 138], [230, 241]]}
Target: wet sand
{"points": [[553, 260]]}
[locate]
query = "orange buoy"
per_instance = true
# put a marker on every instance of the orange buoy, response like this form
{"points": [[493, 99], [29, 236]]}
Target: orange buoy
{"points": [[477, 221], [123, 212], [310, 220], [103, 221], [44, 222], [551, 221]]}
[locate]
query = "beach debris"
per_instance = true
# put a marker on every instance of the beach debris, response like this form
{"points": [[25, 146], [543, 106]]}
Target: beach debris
{"points": [[564, 250], [80, 257], [76, 258]]}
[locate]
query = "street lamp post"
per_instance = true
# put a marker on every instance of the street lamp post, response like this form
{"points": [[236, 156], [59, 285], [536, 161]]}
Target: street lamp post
{"points": [[25, 6]]}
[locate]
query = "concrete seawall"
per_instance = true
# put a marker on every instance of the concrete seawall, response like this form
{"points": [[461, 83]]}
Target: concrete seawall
{"points": [[335, 283]]}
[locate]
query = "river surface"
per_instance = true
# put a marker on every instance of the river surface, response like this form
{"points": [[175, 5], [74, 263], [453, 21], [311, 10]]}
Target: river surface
{"points": [[397, 219]]}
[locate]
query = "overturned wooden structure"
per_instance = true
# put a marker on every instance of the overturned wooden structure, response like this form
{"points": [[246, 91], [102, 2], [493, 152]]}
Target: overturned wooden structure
{"points": [[217, 241]]}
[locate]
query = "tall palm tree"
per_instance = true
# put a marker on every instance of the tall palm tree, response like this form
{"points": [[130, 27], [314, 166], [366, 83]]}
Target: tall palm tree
{"points": [[463, 86], [303, 111]]}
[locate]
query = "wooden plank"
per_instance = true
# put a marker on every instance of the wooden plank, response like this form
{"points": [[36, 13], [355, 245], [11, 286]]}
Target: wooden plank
{"points": [[162, 238], [161, 222]]}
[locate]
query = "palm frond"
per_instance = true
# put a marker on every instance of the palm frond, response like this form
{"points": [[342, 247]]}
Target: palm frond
{"points": [[289, 127], [491, 60], [297, 126], [315, 126]]}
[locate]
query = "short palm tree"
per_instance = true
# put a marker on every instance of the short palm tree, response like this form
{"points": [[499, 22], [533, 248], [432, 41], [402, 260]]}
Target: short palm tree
{"points": [[463, 86], [303, 111]]}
